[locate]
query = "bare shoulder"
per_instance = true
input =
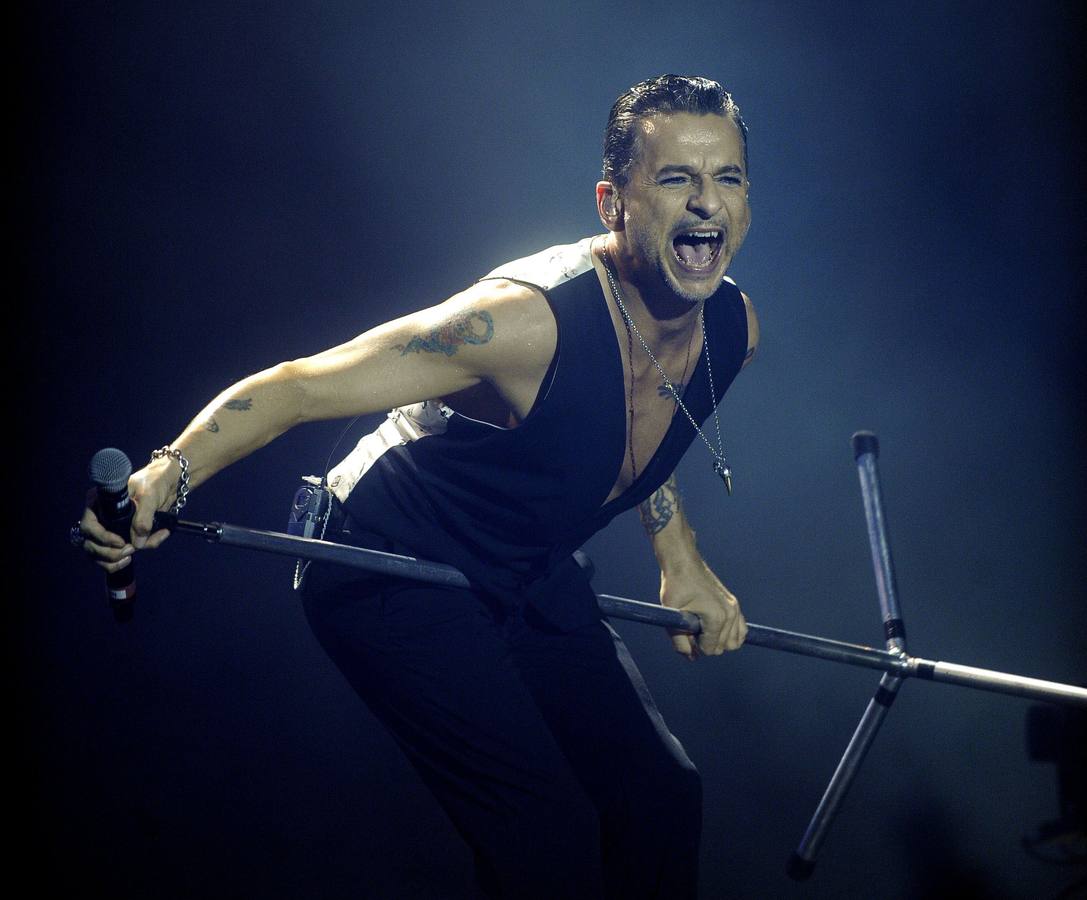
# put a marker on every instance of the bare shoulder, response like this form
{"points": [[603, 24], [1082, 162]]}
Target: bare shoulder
{"points": [[752, 329], [507, 297]]}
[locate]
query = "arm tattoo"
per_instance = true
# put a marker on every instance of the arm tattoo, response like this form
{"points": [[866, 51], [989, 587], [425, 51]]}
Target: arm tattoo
{"points": [[658, 510], [465, 328], [240, 405]]}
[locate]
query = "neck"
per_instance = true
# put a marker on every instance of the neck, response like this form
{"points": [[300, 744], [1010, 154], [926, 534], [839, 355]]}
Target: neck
{"points": [[662, 316]]}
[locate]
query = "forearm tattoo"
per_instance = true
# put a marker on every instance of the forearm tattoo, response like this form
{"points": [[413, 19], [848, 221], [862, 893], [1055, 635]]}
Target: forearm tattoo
{"points": [[662, 505], [466, 328], [240, 405]]}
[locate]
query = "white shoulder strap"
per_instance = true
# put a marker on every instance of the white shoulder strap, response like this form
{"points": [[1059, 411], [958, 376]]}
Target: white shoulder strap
{"points": [[549, 268]]}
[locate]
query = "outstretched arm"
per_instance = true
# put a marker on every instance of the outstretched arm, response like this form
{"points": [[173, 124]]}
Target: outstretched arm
{"points": [[687, 583], [495, 331]]}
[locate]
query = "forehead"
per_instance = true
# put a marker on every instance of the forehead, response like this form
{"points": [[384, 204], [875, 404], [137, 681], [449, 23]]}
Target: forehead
{"points": [[687, 139]]}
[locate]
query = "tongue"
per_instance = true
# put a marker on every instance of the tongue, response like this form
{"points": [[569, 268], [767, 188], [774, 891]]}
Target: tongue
{"points": [[696, 254]]}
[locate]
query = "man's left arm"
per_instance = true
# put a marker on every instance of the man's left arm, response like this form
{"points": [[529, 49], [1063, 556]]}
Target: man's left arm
{"points": [[687, 583]]}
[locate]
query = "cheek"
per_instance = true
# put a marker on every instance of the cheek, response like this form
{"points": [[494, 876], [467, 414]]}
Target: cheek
{"points": [[641, 225], [742, 220]]}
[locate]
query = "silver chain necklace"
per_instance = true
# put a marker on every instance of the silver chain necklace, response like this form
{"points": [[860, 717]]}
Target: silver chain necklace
{"points": [[720, 464]]}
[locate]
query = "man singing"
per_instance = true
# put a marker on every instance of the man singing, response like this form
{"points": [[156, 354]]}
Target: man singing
{"points": [[528, 411]]}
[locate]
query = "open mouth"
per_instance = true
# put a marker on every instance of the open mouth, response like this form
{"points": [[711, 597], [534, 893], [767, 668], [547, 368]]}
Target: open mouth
{"points": [[697, 250]]}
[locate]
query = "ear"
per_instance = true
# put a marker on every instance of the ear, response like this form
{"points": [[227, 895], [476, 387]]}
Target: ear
{"points": [[609, 205]]}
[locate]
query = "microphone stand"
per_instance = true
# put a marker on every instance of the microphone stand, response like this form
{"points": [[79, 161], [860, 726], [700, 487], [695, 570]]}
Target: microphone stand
{"points": [[397, 566]]}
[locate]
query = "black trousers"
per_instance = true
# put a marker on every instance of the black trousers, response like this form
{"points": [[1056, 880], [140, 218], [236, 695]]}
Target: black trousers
{"points": [[543, 746]]}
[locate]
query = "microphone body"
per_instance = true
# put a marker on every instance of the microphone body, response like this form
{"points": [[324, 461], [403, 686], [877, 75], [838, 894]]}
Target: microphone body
{"points": [[109, 470]]}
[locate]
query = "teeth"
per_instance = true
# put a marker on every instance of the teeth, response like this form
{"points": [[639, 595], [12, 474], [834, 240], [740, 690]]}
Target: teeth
{"points": [[703, 234]]}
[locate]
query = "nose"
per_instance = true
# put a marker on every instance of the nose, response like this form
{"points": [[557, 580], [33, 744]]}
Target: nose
{"points": [[705, 199]]}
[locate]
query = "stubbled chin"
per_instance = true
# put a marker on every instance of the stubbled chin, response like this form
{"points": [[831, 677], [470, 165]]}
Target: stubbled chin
{"points": [[689, 290]]}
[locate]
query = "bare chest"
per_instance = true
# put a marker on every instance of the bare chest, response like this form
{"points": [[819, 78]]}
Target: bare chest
{"points": [[650, 407]]}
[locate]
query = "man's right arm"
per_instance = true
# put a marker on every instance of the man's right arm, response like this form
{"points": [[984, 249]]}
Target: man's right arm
{"points": [[494, 331]]}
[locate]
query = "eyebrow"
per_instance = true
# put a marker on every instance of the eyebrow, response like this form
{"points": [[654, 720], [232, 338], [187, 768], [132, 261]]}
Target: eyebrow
{"points": [[691, 170]]}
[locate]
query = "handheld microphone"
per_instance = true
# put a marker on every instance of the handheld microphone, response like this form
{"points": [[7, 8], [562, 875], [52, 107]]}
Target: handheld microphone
{"points": [[110, 469]]}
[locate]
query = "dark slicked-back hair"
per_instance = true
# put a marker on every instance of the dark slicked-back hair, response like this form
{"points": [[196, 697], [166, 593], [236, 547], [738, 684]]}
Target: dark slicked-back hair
{"points": [[663, 94]]}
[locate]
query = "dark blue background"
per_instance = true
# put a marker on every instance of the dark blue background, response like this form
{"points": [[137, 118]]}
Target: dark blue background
{"points": [[215, 188]]}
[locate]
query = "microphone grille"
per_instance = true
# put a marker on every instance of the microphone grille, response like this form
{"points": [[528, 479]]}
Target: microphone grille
{"points": [[109, 469]]}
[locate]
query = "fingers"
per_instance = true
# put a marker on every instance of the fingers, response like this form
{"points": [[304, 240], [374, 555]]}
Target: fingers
{"points": [[94, 531], [117, 566], [685, 645], [112, 551], [156, 539], [716, 626], [109, 558], [733, 636], [707, 644], [109, 550], [724, 629], [142, 523]]}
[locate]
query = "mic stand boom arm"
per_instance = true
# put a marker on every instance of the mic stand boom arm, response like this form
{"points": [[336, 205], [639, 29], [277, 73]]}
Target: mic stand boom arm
{"points": [[898, 664]]}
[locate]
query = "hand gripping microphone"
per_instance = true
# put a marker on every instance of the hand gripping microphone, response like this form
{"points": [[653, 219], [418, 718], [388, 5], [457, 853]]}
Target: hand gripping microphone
{"points": [[109, 469]]}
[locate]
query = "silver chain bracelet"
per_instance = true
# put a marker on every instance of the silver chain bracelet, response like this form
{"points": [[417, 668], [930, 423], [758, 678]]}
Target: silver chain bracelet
{"points": [[182, 479]]}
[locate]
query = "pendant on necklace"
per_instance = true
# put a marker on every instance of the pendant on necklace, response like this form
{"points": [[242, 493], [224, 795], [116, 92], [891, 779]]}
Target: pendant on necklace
{"points": [[726, 474]]}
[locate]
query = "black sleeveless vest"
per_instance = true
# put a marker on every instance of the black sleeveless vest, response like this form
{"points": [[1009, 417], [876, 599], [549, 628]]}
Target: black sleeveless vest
{"points": [[507, 506]]}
